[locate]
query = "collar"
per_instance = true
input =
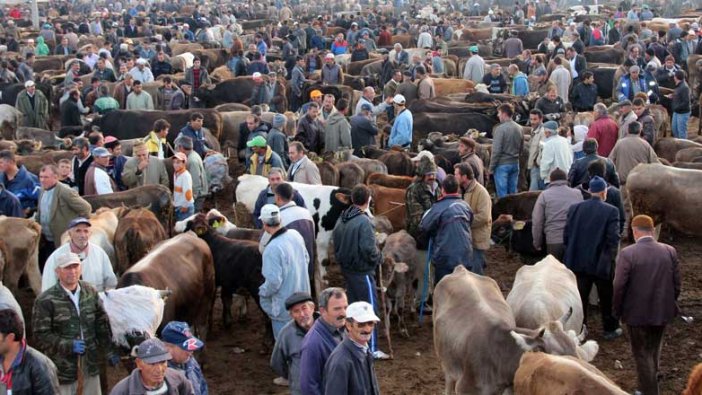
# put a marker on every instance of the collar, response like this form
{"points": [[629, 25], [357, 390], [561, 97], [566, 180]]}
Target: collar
{"points": [[645, 239], [68, 292], [279, 232]]}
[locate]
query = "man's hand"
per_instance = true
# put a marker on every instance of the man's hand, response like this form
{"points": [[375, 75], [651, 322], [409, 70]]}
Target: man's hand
{"points": [[79, 346], [142, 164], [113, 360]]}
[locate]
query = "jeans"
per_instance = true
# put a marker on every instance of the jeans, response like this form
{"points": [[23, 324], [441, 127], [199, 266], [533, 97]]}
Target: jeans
{"points": [[361, 287], [680, 125], [179, 215], [477, 262], [506, 179], [535, 181]]}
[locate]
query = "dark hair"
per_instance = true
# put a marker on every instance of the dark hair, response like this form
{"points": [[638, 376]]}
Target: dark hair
{"points": [[537, 112], [465, 170], [587, 75], [634, 128], [285, 191], [10, 323], [256, 110], [196, 115], [360, 194], [557, 61], [638, 102], [330, 293], [313, 105], [650, 52], [167, 80], [506, 108], [680, 75], [590, 146], [342, 105], [596, 168], [7, 155], [421, 70], [557, 175], [299, 147], [161, 124], [136, 83], [94, 137], [197, 59], [450, 184], [81, 142]]}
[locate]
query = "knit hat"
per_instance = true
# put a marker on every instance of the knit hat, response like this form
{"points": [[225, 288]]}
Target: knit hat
{"points": [[279, 120], [597, 184], [551, 125], [642, 221], [426, 166]]}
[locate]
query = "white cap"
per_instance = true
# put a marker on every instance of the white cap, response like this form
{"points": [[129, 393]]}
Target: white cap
{"points": [[69, 259], [256, 75], [28, 84], [423, 154], [269, 211], [141, 61], [329, 56], [399, 99], [361, 312]]}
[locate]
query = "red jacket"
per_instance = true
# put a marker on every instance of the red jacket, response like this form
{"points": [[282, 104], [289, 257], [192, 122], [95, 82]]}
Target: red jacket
{"points": [[606, 132], [384, 39]]}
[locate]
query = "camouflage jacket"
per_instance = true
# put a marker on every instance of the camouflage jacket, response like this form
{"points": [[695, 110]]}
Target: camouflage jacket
{"points": [[418, 199], [56, 324]]}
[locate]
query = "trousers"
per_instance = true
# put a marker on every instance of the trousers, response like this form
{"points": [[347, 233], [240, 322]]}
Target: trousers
{"points": [[646, 343], [604, 291]]}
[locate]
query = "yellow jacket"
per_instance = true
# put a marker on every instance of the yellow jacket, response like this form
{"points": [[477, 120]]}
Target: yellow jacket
{"points": [[154, 144]]}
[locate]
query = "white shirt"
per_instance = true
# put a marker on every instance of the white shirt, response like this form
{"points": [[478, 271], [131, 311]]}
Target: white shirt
{"points": [[96, 268], [573, 72], [556, 154], [102, 182], [142, 75]]}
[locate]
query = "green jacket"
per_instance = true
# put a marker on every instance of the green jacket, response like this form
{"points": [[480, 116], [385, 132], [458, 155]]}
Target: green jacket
{"points": [[56, 324], [418, 200], [37, 117]]}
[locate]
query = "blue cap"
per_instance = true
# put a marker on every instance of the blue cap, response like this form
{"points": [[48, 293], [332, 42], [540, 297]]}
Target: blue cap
{"points": [[551, 125], [78, 221], [100, 152], [597, 184], [366, 107], [178, 333]]}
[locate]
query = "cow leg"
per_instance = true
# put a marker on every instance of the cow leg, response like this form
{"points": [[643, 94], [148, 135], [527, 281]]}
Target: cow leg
{"points": [[450, 385], [226, 297], [33, 273]]}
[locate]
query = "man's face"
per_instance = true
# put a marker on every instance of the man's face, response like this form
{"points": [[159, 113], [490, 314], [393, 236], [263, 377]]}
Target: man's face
{"points": [[397, 77], [335, 312], [137, 89], [161, 56], [116, 151], [103, 160], [275, 179], [64, 42], [302, 313], [589, 81], [251, 123], [463, 149], [496, 71], [5, 342], [635, 52], [360, 332], [197, 123], [638, 110], [178, 164], [626, 109], [552, 94], [101, 64], [196, 64], [31, 89], [534, 120], [64, 169], [634, 75], [80, 235], [369, 94], [430, 178], [669, 63], [294, 154], [68, 276], [328, 103], [152, 374], [142, 154], [48, 179], [75, 66], [313, 112], [570, 54], [463, 180], [179, 355]]}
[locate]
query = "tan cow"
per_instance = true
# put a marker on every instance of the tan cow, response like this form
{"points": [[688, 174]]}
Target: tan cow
{"points": [[447, 86], [137, 233], [476, 337], [541, 373], [20, 239], [668, 147], [389, 202]]}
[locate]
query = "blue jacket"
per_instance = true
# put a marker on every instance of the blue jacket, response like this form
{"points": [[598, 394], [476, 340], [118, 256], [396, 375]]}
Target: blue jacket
{"points": [[447, 223], [10, 205], [25, 186], [317, 42], [198, 136], [591, 238], [115, 171], [319, 343], [268, 197], [285, 272], [193, 373], [646, 85], [262, 47], [349, 371], [520, 85], [401, 132]]}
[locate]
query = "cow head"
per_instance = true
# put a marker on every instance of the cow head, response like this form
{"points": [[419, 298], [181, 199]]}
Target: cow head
{"points": [[199, 225]]}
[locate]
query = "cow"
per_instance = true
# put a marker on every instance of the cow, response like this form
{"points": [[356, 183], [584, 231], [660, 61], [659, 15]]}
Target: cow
{"points": [[350, 174], [237, 90], [604, 54], [103, 225], [667, 194], [447, 105], [371, 166], [694, 382], [389, 181], [51, 62], [156, 198], [519, 205], [19, 247], [237, 263], [35, 162], [688, 165], [130, 124], [604, 78], [47, 138], [476, 337], [398, 163], [389, 202], [10, 91], [541, 373], [668, 147], [544, 292], [447, 86], [183, 265], [458, 123], [329, 173], [137, 233], [10, 119], [401, 273], [688, 154]]}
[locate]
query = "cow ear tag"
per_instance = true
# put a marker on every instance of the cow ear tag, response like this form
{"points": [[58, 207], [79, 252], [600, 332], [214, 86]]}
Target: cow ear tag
{"points": [[518, 225], [216, 224]]}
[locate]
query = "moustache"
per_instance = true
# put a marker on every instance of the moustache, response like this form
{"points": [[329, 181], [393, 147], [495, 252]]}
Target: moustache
{"points": [[366, 333], [341, 318]]}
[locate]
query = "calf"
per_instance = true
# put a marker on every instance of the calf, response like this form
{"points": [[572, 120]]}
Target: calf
{"points": [[389, 202], [350, 174], [389, 181], [398, 163], [137, 233], [402, 273], [156, 198], [19, 247]]}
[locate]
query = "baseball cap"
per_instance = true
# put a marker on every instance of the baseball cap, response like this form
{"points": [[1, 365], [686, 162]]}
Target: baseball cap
{"points": [[258, 141], [297, 298], [29, 83], [100, 152], [180, 156], [316, 93], [361, 312], [77, 221], [178, 333], [110, 139], [66, 260], [474, 49], [329, 56], [269, 211], [141, 61], [399, 99], [366, 107], [551, 125], [153, 351], [256, 75], [597, 184]]}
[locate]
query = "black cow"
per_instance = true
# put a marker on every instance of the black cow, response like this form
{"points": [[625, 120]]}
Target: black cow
{"points": [[9, 92], [459, 123], [236, 90], [604, 55], [511, 225], [156, 198], [604, 79]]}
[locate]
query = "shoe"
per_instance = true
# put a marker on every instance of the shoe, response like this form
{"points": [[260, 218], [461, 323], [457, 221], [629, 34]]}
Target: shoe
{"points": [[281, 381], [379, 355], [613, 334]]}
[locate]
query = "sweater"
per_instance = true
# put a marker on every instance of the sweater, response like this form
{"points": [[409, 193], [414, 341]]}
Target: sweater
{"points": [[551, 211]]}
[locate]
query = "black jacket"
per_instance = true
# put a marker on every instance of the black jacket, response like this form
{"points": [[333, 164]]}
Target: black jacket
{"points": [[363, 133], [584, 97], [79, 173], [578, 175], [354, 243], [349, 371], [550, 107], [580, 65], [309, 133], [35, 375], [681, 99], [70, 114]]}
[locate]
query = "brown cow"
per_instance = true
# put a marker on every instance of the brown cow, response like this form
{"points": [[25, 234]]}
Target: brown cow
{"points": [[183, 265], [329, 173], [399, 163], [541, 373], [350, 174], [688, 154], [389, 202], [694, 382], [402, 272], [156, 198], [447, 86], [137, 233], [668, 147], [389, 181], [20, 239], [371, 166]]}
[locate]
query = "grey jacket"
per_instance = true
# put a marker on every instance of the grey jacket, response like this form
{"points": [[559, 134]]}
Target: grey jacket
{"points": [[132, 385], [506, 144], [154, 173], [551, 211], [349, 371], [285, 360], [337, 133], [197, 170]]}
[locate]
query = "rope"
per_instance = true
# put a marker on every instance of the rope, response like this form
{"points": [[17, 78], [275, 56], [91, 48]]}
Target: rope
{"points": [[425, 284], [399, 205]]}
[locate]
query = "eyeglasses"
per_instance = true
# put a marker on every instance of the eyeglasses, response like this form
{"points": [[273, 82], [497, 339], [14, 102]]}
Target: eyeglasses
{"points": [[368, 324]]}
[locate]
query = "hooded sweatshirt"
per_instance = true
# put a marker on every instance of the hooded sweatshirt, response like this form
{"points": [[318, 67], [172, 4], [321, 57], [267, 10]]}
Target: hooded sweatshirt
{"points": [[337, 133], [42, 48], [354, 243]]}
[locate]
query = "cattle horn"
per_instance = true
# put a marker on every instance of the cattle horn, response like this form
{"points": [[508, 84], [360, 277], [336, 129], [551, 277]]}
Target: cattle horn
{"points": [[566, 316], [583, 334], [164, 293]]}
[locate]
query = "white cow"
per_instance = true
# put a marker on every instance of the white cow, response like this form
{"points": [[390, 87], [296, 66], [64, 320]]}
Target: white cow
{"points": [[543, 293], [223, 225]]}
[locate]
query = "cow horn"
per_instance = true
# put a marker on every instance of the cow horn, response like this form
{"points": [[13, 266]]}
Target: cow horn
{"points": [[566, 316], [583, 334], [164, 293]]}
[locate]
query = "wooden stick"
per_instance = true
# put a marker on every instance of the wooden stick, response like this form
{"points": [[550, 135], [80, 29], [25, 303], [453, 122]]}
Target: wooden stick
{"points": [[386, 313], [79, 388]]}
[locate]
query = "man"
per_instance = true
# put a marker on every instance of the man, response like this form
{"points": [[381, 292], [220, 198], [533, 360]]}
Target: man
{"points": [[18, 180], [480, 203], [285, 360], [475, 66], [520, 84], [389, 91], [578, 173], [328, 108], [578, 64], [591, 239], [584, 95], [337, 131], [357, 253], [316, 96], [447, 224], [309, 129], [169, 96], [141, 73], [646, 289], [666, 74], [181, 344], [196, 169], [562, 78], [680, 105], [466, 148], [297, 82], [97, 181], [535, 146], [551, 105], [139, 99], [278, 139], [64, 48], [302, 169], [556, 153], [495, 81], [331, 72], [401, 56], [144, 169], [259, 92], [96, 267], [123, 89], [419, 198], [506, 146], [550, 213], [161, 66], [156, 142], [104, 73], [196, 132], [631, 84], [401, 132], [196, 77], [71, 339], [627, 153], [513, 45], [24, 69], [152, 374], [363, 129], [34, 107], [263, 157], [349, 369], [644, 117], [408, 89], [369, 94], [24, 370], [250, 129], [71, 121], [604, 130], [284, 267], [276, 176], [425, 84]]}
